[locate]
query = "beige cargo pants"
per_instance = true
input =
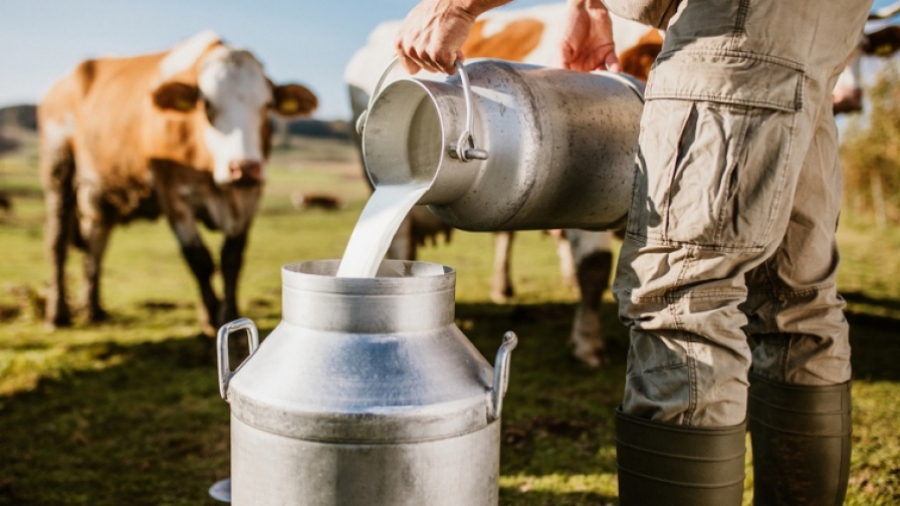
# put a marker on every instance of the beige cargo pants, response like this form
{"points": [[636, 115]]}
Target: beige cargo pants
{"points": [[732, 228]]}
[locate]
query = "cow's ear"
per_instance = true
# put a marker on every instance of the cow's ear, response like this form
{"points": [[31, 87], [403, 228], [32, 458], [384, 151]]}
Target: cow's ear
{"points": [[175, 96], [293, 100], [884, 42]]}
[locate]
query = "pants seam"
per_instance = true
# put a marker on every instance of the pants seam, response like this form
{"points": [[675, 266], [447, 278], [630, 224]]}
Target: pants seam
{"points": [[740, 22], [674, 171], [671, 298], [789, 154], [662, 241]]}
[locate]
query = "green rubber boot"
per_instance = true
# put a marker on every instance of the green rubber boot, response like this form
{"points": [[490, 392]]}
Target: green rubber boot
{"points": [[801, 443], [662, 464]]}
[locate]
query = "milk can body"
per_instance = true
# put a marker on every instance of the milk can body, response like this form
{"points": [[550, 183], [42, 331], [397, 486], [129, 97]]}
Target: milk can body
{"points": [[367, 394], [552, 148]]}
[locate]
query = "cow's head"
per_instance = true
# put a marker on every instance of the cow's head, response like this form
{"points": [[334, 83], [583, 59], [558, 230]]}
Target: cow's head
{"points": [[881, 42], [232, 100]]}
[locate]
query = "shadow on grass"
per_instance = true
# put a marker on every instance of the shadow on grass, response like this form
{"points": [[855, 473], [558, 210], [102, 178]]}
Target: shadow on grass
{"points": [[861, 298], [150, 427], [534, 498], [875, 344]]}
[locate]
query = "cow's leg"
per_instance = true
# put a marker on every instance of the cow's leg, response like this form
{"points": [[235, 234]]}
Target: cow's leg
{"points": [[58, 172], [96, 236], [592, 254], [501, 283], [201, 264], [566, 259], [232, 260]]}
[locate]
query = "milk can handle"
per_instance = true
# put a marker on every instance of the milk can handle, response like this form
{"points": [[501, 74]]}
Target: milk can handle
{"points": [[465, 149], [501, 373], [225, 372]]}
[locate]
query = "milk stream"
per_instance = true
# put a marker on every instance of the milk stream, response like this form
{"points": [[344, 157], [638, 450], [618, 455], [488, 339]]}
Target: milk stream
{"points": [[376, 227]]}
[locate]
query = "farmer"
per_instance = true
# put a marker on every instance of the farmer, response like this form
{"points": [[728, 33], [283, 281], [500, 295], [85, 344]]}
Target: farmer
{"points": [[731, 237]]}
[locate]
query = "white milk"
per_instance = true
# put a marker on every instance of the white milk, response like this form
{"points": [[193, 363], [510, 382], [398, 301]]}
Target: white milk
{"points": [[392, 201], [376, 227]]}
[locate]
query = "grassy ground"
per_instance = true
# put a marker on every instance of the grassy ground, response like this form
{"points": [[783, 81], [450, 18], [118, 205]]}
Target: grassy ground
{"points": [[128, 412]]}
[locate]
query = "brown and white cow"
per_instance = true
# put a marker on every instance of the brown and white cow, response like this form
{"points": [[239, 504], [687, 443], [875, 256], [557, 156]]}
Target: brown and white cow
{"points": [[183, 133], [531, 36], [878, 40]]}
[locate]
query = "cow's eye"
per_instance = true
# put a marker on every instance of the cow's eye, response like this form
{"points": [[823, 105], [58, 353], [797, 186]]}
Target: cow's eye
{"points": [[210, 110]]}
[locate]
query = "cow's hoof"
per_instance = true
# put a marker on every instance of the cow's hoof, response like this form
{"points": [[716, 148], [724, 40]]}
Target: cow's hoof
{"points": [[60, 319], [51, 326], [97, 315], [499, 297], [591, 352], [207, 329], [591, 357], [503, 294]]}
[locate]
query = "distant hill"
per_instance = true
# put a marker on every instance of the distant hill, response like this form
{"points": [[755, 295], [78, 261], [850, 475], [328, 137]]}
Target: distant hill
{"points": [[335, 129], [21, 116], [25, 117]]}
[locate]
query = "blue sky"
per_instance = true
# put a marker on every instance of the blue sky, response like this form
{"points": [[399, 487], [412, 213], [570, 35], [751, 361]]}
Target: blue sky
{"points": [[298, 40]]}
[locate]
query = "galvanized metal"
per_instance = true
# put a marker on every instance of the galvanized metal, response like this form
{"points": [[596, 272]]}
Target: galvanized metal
{"points": [[562, 145], [225, 372], [465, 149], [221, 490], [366, 393]]}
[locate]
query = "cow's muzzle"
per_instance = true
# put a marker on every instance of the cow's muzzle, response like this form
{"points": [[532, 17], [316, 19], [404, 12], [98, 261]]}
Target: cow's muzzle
{"points": [[245, 172], [847, 102]]}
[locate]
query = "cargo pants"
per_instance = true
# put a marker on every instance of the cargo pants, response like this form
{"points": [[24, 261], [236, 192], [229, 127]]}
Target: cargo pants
{"points": [[731, 234]]}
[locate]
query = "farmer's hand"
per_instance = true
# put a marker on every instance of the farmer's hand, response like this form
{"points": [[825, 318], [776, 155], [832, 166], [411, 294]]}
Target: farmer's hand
{"points": [[435, 30], [587, 42]]}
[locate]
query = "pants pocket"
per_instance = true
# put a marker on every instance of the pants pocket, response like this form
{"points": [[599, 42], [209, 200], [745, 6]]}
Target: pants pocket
{"points": [[724, 186]]}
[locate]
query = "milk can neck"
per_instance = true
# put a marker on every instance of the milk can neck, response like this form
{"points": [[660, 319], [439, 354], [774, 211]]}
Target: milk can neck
{"points": [[405, 297]]}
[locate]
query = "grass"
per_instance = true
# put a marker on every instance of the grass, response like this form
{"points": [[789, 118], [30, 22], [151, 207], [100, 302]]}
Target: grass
{"points": [[128, 412]]}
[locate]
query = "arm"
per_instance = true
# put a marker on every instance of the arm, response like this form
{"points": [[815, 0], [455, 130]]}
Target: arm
{"points": [[587, 42], [435, 30]]}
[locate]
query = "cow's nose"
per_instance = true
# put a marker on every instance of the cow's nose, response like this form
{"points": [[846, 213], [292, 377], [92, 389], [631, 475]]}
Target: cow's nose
{"points": [[245, 171], [848, 102]]}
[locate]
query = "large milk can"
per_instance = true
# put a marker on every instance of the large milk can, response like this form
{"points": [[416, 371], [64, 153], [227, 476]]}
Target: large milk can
{"points": [[366, 393], [510, 146]]}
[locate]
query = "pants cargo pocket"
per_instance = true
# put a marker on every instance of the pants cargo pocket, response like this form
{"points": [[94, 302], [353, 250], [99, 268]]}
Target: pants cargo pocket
{"points": [[725, 186]]}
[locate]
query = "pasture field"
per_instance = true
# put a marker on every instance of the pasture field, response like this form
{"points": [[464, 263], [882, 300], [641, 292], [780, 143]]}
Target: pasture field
{"points": [[128, 412]]}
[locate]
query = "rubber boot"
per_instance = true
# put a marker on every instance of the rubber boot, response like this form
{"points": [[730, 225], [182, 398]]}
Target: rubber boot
{"points": [[801, 443], [662, 464]]}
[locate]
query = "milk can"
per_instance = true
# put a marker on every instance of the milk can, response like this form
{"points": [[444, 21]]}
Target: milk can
{"points": [[510, 146], [366, 393]]}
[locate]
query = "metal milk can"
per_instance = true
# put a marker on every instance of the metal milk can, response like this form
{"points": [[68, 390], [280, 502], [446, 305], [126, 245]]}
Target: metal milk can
{"points": [[509, 146], [366, 393]]}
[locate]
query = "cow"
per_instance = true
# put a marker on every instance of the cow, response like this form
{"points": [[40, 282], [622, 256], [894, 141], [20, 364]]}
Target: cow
{"points": [[182, 133], [526, 35], [879, 40]]}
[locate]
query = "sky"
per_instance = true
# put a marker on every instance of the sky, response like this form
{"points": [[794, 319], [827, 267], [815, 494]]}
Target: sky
{"points": [[301, 41]]}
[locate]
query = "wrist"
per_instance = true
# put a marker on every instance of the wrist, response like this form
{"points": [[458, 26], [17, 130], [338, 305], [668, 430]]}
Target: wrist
{"points": [[476, 8]]}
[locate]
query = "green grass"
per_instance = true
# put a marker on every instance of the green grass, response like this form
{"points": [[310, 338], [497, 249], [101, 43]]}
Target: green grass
{"points": [[128, 412]]}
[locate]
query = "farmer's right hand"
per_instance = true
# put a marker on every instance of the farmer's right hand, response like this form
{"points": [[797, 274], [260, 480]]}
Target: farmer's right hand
{"points": [[587, 42]]}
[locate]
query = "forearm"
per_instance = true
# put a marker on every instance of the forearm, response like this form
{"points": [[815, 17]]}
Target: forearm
{"points": [[477, 7]]}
